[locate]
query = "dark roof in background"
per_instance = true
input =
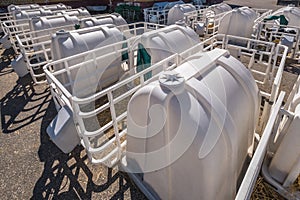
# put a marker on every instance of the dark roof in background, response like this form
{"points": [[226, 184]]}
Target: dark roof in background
{"points": [[266, 4]]}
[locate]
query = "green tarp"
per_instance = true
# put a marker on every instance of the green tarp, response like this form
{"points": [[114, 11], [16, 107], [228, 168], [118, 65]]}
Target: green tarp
{"points": [[124, 54], [282, 19], [143, 61]]}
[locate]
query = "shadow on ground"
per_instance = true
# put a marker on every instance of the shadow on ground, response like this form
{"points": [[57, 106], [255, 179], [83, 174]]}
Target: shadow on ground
{"points": [[292, 66], [63, 176], [15, 113], [5, 60], [71, 176], [4, 69]]}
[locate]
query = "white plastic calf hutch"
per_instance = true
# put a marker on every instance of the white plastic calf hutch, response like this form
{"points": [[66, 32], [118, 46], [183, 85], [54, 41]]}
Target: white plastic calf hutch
{"points": [[27, 14], [105, 141], [113, 18], [55, 7], [164, 42], [262, 58], [219, 8], [37, 51], [177, 12], [8, 16], [63, 44], [20, 23], [86, 39], [21, 18], [85, 76], [52, 7], [82, 82], [159, 14], [40, 25], [34, 43], [187, 112], [60, 81], [79, 12], [16, 21], [118, 117], [13, 7], [238, 22], [42, 55]]}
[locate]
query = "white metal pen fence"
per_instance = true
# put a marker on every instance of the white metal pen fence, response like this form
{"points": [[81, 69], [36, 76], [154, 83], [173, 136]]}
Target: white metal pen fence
{"points": [[211, 21], [160, 15], [4, 17], [101, 116], [264, 59], [13, 27], [280, 118], [9, 15], [282, 34], [249, 180], [37, 50]]}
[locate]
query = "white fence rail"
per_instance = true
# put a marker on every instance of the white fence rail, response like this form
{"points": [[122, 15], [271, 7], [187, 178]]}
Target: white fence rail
{"points": [[246, 187], [264, 59], [281, 34], [160, 15], [207, 17], [13, 28], [37, 50], [105, 142], [211, 21]]}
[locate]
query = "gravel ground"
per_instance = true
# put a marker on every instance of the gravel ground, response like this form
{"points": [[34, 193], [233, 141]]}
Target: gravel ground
{"points": [[31, 166]]}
